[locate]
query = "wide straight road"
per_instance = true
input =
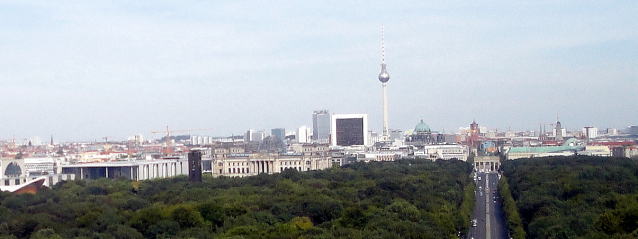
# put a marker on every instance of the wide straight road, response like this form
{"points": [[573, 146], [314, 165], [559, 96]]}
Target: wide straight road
{"points": [[490, 221]]}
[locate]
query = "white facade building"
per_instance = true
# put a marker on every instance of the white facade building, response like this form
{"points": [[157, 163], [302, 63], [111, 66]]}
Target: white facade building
{"points": [[563, 132], [445, 152], [242, 165], [40, 166], [304, 134], [137, 139], [201, 140], [590, 132], [254, 135], [381, 156]]}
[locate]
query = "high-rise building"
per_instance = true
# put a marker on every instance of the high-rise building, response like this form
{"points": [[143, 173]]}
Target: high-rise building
{"points": [[254, 135], [321, 126], [384, 77], [558, 131], [278, 133], [590, 132], [303, 134], [195, 166], [349, 129], [632, 130]]}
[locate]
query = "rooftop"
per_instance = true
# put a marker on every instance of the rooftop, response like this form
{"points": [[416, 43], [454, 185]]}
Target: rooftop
{"points": [[119, 163]]}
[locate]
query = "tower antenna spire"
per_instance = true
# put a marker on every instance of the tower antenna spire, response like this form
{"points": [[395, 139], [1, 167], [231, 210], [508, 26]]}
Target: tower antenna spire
{"points": [[382, 46], [557, 119]]}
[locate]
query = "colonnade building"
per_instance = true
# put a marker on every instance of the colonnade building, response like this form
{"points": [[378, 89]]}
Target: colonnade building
{"points": [[231, 160], [134, 170], [241, 165], [487, 163]]}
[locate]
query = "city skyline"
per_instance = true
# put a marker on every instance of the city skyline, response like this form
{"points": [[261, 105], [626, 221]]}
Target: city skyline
{"points": [[78, 73]]}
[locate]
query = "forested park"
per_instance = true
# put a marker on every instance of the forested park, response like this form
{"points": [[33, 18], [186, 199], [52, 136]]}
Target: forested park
{"points": [[403, 199], [572, 197]]}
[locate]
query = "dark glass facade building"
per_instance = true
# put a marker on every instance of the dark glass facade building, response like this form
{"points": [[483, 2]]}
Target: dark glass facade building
{"points": [[195, 166], [350, 131]]}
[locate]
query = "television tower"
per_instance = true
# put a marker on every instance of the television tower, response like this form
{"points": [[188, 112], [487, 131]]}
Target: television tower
{"points": [[384, 77]]}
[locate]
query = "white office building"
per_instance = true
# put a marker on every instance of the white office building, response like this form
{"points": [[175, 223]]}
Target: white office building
{"points": [[590, 132], [254, 135], [304, 134]]}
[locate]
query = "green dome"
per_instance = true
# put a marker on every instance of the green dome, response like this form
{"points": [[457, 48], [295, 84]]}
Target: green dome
{"points": [[421, 127]]}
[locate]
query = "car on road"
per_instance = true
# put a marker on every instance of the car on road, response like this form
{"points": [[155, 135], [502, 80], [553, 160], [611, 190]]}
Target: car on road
{"points": [[479, 178], [473, 222]]}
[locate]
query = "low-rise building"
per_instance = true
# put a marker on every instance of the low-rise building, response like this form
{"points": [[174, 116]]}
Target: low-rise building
{"points": [[40, 166], [241, 165], [15, 172], [309, 148], [381, 156], [445, 152], [134, 170], [596, 150], [568, 148]]}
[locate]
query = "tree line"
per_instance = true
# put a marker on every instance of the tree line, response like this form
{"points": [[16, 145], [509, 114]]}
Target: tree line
{"points": [[403, 199], [574, 197]]}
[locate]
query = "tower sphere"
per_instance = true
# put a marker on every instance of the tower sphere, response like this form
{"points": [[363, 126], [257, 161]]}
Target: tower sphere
{"points": [[384, 76]]}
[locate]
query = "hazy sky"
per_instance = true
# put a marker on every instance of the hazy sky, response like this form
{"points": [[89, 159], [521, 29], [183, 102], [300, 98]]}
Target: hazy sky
{"points": [[83, 70]]}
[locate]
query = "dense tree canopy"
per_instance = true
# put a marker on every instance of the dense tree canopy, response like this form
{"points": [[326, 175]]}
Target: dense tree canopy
{"points": [[576, 197], [404, 199]]}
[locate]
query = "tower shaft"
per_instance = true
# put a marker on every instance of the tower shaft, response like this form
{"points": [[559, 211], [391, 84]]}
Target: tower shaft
{"points": [[386, 133]]}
